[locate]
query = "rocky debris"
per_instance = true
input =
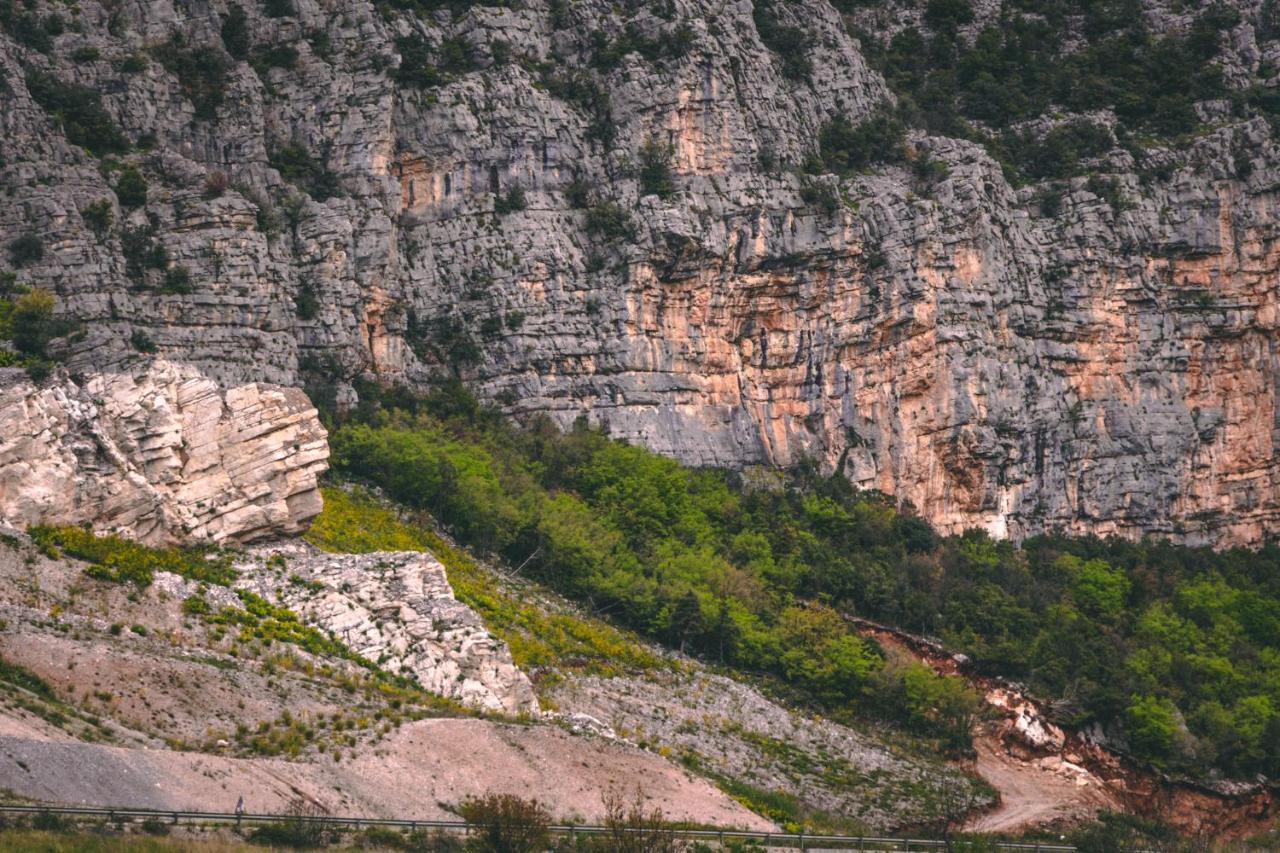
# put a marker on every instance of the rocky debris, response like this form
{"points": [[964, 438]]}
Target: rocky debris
{"points": [[160, 452], [1024, 721], [734, 731], [397, 610], [1105, 369]]}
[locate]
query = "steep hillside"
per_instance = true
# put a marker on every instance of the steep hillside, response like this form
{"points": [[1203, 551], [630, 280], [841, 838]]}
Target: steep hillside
{"points": [[1047, 300]]}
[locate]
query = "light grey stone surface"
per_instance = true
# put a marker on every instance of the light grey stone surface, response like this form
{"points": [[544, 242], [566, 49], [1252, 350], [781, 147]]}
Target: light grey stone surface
{"points": [[397, 610]]}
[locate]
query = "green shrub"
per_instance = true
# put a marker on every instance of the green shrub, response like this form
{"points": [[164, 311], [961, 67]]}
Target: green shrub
{"points": [[306, 303], [511, 202], [297, 166], [23, 678], [655, 168], [131, 188], [134, 63], [141, 253], [26, 27], [236, 37], [142, 342], [99, 216], [791, 44], [609, 220], [274, 56], [31, 322], [78, 111], [201, 71], [846, 148], [505, 823], [27, 249], [177, 280], [278, 8]]}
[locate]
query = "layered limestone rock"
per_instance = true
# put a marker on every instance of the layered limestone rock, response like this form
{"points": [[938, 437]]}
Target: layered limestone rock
{"points": [[396, 609], [1109, 368], [160, 452]]}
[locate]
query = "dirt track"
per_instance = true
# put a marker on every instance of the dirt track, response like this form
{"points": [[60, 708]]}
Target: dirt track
{"points": [[1030, 793]]}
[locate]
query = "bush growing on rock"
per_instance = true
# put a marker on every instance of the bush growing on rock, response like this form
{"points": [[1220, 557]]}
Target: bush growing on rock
{"points": [[655, 168], [201, 71], [236, 37], [27, 249], [31, 323], [99, 216], [131, 188], [78, 111]]}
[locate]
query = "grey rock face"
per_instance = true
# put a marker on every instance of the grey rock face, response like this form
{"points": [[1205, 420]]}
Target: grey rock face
{"points": [[396, 609], [1108, 369], [160, 452]]}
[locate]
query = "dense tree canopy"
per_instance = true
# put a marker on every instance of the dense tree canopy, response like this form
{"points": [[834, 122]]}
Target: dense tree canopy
{"points": [[1175, 649]]}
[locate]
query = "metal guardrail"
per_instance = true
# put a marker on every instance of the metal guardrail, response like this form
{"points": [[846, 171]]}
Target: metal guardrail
{"points": [[801, 841]]}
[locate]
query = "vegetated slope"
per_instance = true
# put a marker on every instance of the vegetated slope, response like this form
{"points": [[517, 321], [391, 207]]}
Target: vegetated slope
{"points": [[798, 768], [133, 676], [1171, 653], [1033, 289]]}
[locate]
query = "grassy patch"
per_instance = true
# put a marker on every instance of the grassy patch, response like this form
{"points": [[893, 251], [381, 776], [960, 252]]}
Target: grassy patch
{"points": [[114, 558], [356, 522]]}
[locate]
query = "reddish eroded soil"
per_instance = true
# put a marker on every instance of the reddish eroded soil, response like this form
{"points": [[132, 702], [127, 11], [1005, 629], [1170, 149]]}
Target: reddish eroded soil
{"points": [[1071, 779]]}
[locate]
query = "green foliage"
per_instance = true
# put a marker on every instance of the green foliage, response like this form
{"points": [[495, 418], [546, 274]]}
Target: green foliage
{"points": [[353, 522], [274, 56], [99, 216], [31, 324], [27, 28], [19, 676], [506, 823], [27, 249], [297, 166], [609, 220], [143, 342], [131, 188], [236, 37], [201, 71], [511, 202], [425, 67], [1176, 649], [845, 148], [278, 8], [581, 90], [1078, 57], [177, 280], [306, 303], [790, 43], [79, 112], [655, 168], [113, 558], [632, 532]]}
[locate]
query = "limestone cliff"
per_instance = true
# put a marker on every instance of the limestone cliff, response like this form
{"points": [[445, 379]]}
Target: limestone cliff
{"points": [[1108, 368], [161, 453]]}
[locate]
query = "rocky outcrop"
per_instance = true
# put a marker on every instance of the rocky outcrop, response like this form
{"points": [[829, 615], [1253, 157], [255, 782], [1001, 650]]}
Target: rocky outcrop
{"points": [[160, 452], [1108, 366], [396, 609]]}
